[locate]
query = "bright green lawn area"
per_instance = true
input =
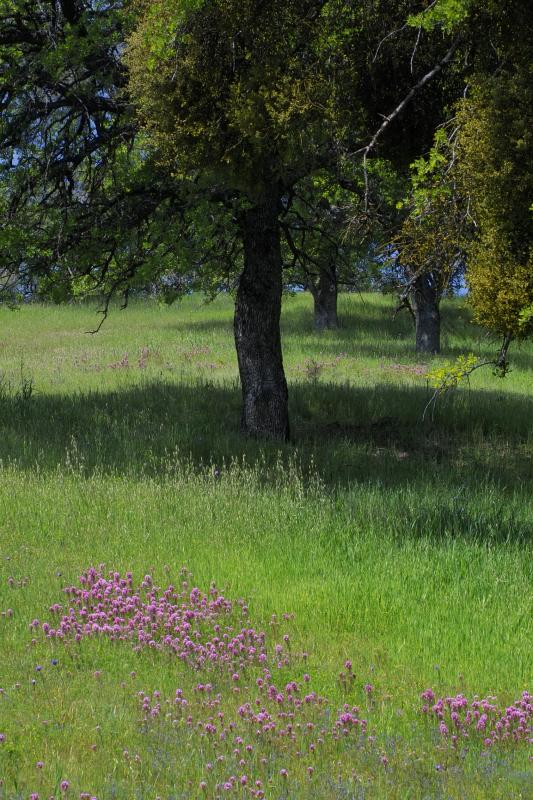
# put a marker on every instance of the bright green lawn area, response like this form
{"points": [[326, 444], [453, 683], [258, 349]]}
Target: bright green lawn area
{"points": [[402, 545]]}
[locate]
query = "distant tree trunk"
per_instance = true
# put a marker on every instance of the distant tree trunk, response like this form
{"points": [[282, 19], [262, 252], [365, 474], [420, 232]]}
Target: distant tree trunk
{"points": [[424, 297], [256, 324], [325, 298]]}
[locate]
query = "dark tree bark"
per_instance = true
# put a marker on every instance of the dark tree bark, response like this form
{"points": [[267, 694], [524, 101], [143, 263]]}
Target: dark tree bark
{"points": [[72, 10], [424, 297], [325, 298], [257, 333]]}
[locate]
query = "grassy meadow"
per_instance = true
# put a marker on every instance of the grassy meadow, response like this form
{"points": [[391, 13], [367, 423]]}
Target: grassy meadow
{"points": [[400, 545]]}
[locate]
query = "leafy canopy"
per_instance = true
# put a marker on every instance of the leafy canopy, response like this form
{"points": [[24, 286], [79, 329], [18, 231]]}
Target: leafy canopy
{"points": [[247, 92]]}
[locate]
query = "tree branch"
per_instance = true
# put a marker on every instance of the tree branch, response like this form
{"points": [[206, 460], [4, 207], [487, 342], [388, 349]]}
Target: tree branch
{"points": [[498, 363], [400, 107]]}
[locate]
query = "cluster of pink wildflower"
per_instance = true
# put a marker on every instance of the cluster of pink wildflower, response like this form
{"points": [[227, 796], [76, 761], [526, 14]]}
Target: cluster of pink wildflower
{"points": [[459, 719], [259, 731], [255, 744], [200, 629]]}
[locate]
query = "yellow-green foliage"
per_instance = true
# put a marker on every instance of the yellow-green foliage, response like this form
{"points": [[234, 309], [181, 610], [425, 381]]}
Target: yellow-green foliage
{"points": [[231, 88], [452, 373], [496, 170], [501, 286], [447, 14]]}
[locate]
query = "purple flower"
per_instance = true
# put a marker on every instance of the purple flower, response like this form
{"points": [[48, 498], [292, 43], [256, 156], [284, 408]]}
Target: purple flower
{"points": [[482, 722]]}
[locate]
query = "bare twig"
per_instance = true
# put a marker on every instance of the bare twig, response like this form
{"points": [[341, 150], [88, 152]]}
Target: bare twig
{"points": [[415, 48], [388, 36]]}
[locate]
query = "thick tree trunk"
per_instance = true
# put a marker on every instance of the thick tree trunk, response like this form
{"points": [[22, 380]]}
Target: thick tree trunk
{"points": [[425, 304], [257, 333], [325, 297]]}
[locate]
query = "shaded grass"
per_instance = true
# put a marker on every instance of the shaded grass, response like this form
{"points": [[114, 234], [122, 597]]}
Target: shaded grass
{"points": [[404, 547], [345, 433]]}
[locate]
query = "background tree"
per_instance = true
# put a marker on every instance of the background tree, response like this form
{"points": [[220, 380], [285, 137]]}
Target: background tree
{"points": [[324, 250], [469, 203], [420, 79], [471, 199], [429, 247]]}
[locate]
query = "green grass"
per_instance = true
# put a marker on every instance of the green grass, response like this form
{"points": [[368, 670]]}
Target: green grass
{"points": [[402, 545]]}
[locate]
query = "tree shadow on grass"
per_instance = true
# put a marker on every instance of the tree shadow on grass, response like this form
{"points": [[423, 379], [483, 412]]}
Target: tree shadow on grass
{"points": [[346, 436], [137, 429]]}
